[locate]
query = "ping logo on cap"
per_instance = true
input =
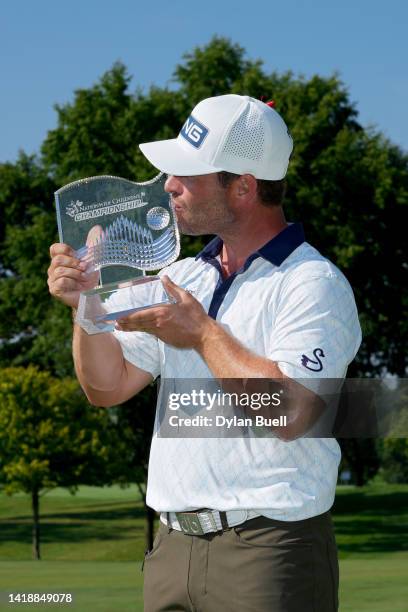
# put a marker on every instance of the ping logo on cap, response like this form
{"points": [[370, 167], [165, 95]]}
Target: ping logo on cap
{"points": [[194, 132]]}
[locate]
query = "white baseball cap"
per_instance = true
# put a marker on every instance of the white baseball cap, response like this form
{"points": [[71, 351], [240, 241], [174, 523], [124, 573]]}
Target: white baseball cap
{"points": [[226, 133]]}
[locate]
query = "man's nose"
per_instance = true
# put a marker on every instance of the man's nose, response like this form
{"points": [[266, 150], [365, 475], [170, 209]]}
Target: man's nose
{"points": [[172, 185]]}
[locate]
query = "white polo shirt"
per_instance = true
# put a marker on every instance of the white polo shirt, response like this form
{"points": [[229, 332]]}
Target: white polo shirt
{"points": [[284, 304]]}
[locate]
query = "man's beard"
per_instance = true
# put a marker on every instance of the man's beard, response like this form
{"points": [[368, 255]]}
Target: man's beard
{"points": [[211, 221]]}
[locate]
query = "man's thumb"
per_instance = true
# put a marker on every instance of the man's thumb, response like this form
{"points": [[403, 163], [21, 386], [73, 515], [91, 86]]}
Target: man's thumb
{"points": [[172, 289]]}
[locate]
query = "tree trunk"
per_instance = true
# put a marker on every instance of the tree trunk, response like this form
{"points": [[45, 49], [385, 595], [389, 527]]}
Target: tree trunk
{"points": [[359, 472], [359, 459], [150, 515], [36, 524], [149, 530]]}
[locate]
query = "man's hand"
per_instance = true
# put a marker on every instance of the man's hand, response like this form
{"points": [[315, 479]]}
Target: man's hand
{"points": [[67, 275], [183, 325]]}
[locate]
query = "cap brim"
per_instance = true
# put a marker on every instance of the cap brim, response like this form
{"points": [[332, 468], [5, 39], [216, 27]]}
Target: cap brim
{"points": [[169, 157]]}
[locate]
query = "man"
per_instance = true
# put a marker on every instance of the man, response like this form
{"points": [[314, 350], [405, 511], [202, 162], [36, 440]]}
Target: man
{"points": [[258, 302]]}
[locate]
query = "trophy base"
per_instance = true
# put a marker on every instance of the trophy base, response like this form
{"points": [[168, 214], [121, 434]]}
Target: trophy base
{"points": [[99, 308]]}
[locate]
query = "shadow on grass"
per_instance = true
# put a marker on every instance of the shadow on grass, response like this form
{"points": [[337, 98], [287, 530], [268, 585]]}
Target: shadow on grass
{"points": [[366, 521], [369, 522], [111, 513], [100, 521], [348, 502], [75, 532]]}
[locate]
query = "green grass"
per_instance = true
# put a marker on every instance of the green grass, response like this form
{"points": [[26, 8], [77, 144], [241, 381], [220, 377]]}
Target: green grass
{"points": [[371, 520], [96, 586], [377, 585], [94, 525], [92, 545], [374, 584]]}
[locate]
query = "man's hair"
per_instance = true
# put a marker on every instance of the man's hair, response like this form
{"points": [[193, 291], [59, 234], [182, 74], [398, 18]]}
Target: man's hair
{"points": [[270, 193]]}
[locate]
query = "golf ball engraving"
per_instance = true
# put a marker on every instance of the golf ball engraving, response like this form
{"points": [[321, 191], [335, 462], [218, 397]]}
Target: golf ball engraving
{"points": [[158, 218]]}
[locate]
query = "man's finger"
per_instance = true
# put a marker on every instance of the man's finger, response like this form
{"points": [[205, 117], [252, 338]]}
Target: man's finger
{"points": [[122, 325], [68, 262], [62, 271], [59, 248], [63, 285], [173, 289], [138, 322]]}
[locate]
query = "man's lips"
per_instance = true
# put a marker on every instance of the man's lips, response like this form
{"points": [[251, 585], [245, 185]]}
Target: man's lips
{"points": [[176, 207]]}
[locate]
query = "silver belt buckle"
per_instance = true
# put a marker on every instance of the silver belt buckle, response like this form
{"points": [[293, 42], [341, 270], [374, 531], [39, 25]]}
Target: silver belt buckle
{"points": [[189, 523]]}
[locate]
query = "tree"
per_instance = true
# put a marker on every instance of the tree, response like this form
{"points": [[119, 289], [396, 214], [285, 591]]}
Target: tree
{"points": [[22, 185], [393, 450], [361, 457], [51, 437], [394, 460], [212, 70], [33, 327]]}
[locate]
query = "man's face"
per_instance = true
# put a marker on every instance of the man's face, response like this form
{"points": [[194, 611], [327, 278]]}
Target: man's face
{"points": [[200, 203]]}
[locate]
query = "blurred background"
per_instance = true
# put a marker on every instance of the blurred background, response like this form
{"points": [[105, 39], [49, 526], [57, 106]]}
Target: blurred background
{"points": [[82, 85]]}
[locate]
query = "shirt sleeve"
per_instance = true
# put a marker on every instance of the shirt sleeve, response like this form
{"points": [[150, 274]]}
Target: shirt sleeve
{"points": [[316, 331], [139, 348]]}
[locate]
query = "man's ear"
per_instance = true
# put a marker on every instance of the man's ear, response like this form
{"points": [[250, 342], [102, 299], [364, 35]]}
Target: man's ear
{"points": [[246, 185], [242, 185]]}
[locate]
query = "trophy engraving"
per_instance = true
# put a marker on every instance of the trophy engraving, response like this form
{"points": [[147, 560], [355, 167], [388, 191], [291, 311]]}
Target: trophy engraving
{"points": [[122, 229]]}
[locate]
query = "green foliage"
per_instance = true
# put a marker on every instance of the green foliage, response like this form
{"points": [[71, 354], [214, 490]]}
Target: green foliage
{"points": [[394, 460], [100, 131], [50, 436], [23, 185], [393, 450], [212, 70], [91, 137], [34, 328]]}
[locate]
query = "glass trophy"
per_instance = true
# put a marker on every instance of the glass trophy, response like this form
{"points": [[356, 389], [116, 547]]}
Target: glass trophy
{"points": [[122, 229]]}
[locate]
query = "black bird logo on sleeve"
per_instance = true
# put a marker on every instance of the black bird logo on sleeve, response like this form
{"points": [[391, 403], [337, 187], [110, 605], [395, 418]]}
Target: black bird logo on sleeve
{"points": [[315, 365]]}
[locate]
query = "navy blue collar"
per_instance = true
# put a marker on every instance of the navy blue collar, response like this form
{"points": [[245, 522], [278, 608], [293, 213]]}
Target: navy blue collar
{"points": [[275, 251]]}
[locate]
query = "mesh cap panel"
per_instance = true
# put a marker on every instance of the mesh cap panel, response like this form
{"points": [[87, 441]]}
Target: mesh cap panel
{"points": [[238, 144]]}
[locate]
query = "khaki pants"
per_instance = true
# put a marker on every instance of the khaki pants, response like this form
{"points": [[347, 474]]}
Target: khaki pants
{"points": [[262, 565]]}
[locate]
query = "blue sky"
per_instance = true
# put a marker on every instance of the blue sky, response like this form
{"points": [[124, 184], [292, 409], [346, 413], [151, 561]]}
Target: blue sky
{"points": [[49, 48]]}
